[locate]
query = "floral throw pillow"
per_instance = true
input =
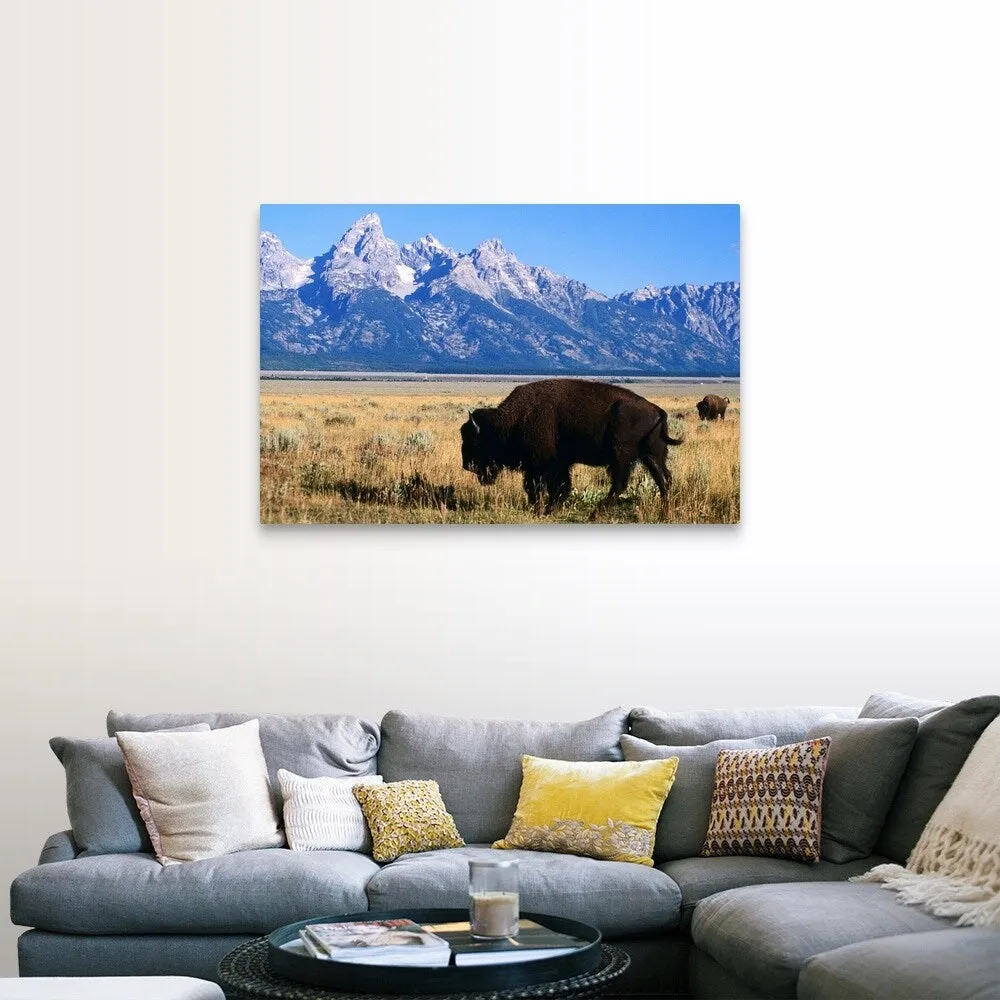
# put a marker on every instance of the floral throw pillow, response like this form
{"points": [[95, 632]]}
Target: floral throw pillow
{"points": [[406, 817], [767, 802]]}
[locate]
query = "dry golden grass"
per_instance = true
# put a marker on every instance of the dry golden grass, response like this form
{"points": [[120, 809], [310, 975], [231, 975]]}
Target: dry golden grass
{"points": [[396, 458]]}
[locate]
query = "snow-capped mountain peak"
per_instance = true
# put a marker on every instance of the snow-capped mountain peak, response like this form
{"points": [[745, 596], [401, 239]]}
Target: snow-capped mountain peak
{"points": [[369, 221], [364, 235], [643, 294], [502, 272], [493, 246], [426, 253], [279, 268], [365, 257]]}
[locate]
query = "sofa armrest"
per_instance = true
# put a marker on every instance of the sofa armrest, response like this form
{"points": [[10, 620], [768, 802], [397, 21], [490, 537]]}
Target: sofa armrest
{"points": [[59, 847]]}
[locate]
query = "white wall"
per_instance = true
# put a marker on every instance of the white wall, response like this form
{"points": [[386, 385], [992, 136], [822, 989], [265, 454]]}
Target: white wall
{"points": [[139, 140]]}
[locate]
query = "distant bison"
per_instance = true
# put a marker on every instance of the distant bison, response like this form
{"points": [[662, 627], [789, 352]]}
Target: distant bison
{"points": [[713, 407], [543, 428]]}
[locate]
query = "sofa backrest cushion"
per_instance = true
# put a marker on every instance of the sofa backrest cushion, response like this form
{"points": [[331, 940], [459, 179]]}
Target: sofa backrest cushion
{"points": [[787, 725], [477, 762], [893, 705], [99, 800], [944, 740], [312, 746], [866, 761], [683, 823]]}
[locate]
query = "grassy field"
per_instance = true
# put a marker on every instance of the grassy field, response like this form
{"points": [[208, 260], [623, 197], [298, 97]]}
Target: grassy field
{"points": [[384, 453]]}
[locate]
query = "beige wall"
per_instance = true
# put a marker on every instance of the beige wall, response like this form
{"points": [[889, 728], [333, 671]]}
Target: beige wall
{"points": [[139, 140]]}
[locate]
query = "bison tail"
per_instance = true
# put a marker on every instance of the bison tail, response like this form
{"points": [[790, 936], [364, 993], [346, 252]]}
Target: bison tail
{"points": [[665, 433]]}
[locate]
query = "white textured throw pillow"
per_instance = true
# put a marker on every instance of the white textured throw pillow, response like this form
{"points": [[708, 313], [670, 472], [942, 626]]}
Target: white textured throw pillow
{"points": [[202, 794], [322, 814]]}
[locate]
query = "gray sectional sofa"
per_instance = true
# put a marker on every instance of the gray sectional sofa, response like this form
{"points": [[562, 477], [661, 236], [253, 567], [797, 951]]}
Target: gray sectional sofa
{"points": [[98, 902]]}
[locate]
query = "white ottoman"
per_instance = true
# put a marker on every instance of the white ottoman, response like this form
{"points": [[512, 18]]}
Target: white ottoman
{"points": [[109, 988]]}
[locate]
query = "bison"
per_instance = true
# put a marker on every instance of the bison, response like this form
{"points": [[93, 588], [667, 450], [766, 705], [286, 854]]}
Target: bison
{"points": [[713, 407], [543, 428]]}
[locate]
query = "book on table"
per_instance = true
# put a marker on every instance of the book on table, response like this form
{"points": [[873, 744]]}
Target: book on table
{"points": [[533, 942], [376, 942]]}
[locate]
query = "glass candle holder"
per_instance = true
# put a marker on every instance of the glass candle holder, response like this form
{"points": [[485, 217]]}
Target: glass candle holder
{"points": [[494, 903]]}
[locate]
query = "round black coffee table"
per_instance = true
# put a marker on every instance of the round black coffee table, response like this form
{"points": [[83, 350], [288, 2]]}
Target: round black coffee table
{"points": [[248, 973]]}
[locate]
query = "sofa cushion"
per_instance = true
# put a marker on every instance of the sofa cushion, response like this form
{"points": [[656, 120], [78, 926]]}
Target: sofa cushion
{"points": [[893, 705], [620, 898], [944, 740], [764, 934], [789, 725], [251, 892], [102, 811], [958, 964], [313, 746], [58, 847], [698, 878], [477, 762], [683, 822], [867, 758]]}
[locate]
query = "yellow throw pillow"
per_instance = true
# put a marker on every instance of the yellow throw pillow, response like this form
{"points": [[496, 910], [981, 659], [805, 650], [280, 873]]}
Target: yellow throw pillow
{"points": [[406, 817], [599, 809]]}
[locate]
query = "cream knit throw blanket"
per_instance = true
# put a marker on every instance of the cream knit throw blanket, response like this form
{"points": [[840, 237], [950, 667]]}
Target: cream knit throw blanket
{"points": [[954, 871]]}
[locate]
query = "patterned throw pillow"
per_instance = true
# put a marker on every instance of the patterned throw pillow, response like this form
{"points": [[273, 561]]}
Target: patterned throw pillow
{"points": [[322, 814], [406, 817], [598, 809], [683, 822], [767, 802]]}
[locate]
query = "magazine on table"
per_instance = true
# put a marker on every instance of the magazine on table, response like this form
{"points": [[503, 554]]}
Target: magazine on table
{"points": [[533, 942], [376, 942]]}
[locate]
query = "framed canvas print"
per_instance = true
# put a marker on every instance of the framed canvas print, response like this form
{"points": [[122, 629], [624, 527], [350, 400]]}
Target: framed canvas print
{"points": [[499, 364]]}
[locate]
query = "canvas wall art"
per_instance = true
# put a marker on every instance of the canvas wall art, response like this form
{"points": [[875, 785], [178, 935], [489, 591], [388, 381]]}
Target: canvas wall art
{"points": [[499, 364]]}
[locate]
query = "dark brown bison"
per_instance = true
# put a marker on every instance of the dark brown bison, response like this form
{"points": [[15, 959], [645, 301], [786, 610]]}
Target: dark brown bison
{"points": [[543, 428], [713, 407]]}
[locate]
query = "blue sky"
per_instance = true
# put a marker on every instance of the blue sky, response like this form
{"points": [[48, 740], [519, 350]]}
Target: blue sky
{"points": [[612, 248]]}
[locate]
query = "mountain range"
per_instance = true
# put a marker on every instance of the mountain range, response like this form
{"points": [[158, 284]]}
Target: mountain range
{"points": [[369, 303]]}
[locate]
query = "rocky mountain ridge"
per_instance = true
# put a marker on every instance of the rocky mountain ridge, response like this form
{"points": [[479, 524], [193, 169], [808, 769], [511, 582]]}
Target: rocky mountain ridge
{"points": [[369, 303]]}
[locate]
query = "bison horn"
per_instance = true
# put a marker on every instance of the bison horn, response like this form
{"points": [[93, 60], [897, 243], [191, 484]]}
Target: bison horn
{"points": [[472, 420]]}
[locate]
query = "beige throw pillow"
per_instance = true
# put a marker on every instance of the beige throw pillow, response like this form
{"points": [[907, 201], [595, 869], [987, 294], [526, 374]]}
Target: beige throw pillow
{"points": [[202, 794]]}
